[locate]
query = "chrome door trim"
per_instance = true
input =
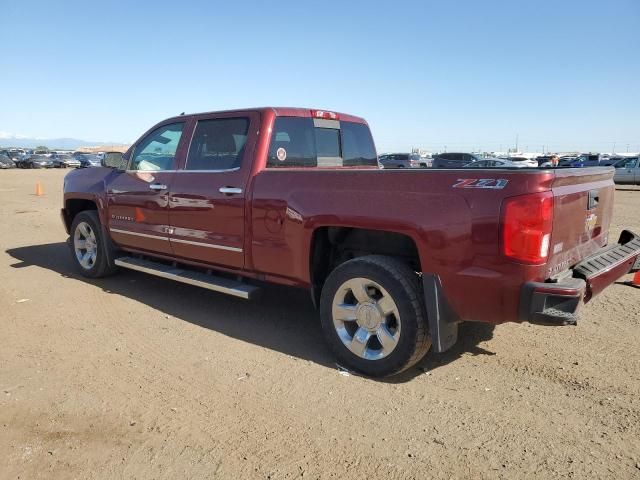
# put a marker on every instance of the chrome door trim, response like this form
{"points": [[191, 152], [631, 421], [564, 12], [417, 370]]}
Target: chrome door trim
{"points": [[208, 245], [137, 234], [230, 190]]}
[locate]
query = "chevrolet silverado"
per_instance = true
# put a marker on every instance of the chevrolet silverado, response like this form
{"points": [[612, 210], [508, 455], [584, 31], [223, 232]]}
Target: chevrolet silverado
{"points": [[393, 259]]}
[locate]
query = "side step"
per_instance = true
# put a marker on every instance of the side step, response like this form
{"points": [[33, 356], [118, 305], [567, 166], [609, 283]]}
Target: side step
{"points": [[192, 277]]}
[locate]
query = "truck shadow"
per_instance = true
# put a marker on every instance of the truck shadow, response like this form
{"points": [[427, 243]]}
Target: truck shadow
{"points": [[282, 319]]}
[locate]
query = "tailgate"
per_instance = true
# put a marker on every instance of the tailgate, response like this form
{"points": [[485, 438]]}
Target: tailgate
{"points": [[583, 206]]}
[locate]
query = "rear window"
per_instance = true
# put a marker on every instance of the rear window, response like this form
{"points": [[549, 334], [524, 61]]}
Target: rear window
{"points": [[301, 142]]}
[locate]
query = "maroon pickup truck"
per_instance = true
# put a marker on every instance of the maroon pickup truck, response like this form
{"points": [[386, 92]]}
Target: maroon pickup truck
{"points": [[394, 259]]}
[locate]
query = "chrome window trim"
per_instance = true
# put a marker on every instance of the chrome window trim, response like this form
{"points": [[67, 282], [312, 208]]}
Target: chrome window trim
{"points": [[150, 171], [208, 245], [234, 169], [137, 234]]}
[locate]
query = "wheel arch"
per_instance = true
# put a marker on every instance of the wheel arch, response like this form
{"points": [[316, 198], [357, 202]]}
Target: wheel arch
{"points": [[332, 245]]}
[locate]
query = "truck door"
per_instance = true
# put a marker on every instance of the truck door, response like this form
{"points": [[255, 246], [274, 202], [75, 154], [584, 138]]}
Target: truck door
{"points": [[137, 198], [208, 194]]}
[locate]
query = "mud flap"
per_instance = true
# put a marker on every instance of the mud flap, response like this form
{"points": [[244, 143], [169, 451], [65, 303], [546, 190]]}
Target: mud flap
{"points": [[443, 322]]}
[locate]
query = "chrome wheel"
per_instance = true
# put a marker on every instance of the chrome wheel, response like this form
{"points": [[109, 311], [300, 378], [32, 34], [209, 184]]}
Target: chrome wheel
{"points": [[85, 245], [366, 318]]}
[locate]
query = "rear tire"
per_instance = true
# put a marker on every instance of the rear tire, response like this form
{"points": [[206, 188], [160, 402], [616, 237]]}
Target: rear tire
{"points": [[373, 315], [91, 251]]}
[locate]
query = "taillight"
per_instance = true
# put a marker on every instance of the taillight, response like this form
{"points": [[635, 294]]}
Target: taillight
{"points": [[526, 227]]}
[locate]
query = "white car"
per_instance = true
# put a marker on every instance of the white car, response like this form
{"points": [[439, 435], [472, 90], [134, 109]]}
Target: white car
{"points": [[523, 161], [495, 163]]}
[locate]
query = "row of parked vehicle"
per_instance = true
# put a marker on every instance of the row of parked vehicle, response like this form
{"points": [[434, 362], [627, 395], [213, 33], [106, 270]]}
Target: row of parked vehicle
{"points": [[21, 159], [472, 160], [627, 168]]}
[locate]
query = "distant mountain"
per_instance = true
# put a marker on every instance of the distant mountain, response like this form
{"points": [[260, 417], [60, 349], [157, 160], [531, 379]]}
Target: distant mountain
{"points": [[8, 140]]}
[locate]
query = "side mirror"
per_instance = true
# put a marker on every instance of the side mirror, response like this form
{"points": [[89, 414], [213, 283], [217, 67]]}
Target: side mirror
{"points": [[114, 160]]}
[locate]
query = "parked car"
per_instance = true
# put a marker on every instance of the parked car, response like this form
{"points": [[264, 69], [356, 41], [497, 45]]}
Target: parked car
{"points": [[454, 160], [523, 161], [89, 160], [394, 259], [494, 163], [9, 155], [589, 160], [401, 160], [36, 161], [64, 160], [566, 161], [6, 162], [627, 171], [543, 159]]}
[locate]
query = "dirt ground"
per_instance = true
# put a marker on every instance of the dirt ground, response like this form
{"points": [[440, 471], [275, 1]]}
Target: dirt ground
{"points": [[138, 377]]}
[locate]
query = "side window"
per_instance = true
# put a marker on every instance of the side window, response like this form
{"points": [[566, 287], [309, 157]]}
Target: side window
{"points": [[357, 145], [303, 142], [631, 163], [293, 143], [218, 144], [157, 150]]}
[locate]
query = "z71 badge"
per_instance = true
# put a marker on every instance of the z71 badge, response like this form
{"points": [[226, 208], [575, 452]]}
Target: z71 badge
{"points": [[492, 183]]}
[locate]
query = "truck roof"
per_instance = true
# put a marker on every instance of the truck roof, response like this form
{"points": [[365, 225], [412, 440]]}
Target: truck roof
{"points": [[280, 112]]}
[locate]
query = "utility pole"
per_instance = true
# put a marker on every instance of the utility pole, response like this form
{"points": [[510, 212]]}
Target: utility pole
{"points": [[516, 142], [627, 148]]}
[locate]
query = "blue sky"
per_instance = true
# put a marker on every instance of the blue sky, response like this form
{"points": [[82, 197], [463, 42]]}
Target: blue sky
{"points": [[465, 74]]}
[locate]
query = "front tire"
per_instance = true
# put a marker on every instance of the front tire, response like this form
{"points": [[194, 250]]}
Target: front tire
{"points": [[90, 250], [373, 315]]}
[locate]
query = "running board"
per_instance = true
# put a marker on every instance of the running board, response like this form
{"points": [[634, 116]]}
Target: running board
{"points": [[192, 277]]}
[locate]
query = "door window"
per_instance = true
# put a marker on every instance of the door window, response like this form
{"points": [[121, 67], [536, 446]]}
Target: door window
{"points": [[157, 150], [218, 144]]}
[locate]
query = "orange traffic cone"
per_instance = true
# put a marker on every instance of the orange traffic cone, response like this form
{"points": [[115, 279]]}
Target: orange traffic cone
{"points": [[39, 190], [635, 282]]}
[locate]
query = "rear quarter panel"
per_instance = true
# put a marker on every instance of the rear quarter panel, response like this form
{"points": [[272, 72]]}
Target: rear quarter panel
{"points": [[456, 230]]}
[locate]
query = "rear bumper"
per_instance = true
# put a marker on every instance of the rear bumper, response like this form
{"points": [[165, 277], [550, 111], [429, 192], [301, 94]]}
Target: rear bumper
{"points": [[558, 303]]}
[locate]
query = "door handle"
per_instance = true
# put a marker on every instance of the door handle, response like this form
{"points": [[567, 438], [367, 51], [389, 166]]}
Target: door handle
{"points": [[157, 186], [230, 190]]}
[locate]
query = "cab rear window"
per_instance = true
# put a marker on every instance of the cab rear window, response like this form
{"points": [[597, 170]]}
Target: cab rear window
{"points": [[303, 142]]}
